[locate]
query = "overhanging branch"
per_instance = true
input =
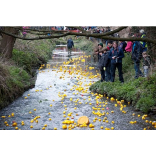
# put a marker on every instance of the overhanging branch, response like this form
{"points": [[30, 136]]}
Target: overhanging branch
{"points": [[103, 36]]}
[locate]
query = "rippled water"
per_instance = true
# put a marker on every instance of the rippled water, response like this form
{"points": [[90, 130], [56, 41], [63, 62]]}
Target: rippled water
{"points": [[45, 102]]}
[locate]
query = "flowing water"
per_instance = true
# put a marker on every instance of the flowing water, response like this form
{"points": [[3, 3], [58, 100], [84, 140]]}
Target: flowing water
{"points": [[44, 103]]}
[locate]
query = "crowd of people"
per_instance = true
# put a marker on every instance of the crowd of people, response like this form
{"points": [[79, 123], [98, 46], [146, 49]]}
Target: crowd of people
{"points": [[110, 58]]}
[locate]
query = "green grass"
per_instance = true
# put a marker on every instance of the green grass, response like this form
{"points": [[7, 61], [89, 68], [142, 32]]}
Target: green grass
{"points": [[15, 79], [15, 82], [84, 44]]}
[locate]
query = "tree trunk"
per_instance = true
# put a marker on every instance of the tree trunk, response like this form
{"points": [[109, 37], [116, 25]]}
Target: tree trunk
{"points": [[7, 43]]}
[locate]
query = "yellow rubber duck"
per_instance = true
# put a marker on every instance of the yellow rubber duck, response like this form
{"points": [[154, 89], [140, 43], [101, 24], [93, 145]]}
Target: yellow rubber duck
{"points": [[64, 126], [31, 126], [16, 128], [14, 124], [12, 114], [5, 122]]}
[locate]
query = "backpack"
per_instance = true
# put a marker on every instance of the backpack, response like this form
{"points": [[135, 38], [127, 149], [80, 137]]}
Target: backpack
{"points": [[124, 45]]}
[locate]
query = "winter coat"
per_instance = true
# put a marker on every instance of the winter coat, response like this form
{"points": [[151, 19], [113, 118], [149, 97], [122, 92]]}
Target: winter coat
{"points": [[70, 43], [136, 52], [103, 61], [129, 46], [118, 53]]}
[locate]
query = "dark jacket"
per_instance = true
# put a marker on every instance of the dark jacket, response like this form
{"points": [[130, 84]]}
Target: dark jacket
{"points": [[122, 45], [70, 43], [103, 61], [118, 53], [136, 52]]}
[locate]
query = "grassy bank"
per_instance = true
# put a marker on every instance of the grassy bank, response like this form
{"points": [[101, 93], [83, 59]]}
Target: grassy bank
{"points": [[18, 73], [141, 93], [84, 44]]}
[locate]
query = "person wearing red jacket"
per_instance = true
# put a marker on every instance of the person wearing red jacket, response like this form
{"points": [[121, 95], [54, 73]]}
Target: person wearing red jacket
{"points": [[129, 46]]}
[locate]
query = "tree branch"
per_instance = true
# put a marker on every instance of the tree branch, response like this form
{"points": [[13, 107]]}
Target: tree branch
{"points": [[103, 36], [35, 38], [114, 31]]}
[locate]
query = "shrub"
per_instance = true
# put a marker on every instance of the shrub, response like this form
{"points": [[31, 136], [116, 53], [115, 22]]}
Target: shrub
{"points": [[145, 103]]}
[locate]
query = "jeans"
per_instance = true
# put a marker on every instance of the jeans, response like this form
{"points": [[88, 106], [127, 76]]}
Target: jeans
{"points": [[137, 70], [146, 71], [113, 68], [69, 50], [108, 73], [102, 75]]}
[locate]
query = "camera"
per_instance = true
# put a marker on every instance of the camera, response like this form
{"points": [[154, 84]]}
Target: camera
{"points": [[116, 59]]}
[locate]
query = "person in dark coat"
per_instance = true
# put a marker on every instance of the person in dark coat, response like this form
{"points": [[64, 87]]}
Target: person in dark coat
{"points": [[103, 63], [70, 45], [136, 57], [116, 54]]}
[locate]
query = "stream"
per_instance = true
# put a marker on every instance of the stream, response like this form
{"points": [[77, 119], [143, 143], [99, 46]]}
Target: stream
{"points": [[44, 107]]}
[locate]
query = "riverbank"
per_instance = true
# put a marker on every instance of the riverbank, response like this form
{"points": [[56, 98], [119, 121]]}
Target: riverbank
{"points": [[140, 93], [18, 74]]}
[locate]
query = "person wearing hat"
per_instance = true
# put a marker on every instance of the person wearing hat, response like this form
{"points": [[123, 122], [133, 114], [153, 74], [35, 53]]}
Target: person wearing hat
{"points": [[144, 44], [96, 51]]}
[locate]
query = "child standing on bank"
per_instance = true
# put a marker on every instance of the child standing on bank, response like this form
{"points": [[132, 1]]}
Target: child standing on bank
{"points": [[146, 63]]}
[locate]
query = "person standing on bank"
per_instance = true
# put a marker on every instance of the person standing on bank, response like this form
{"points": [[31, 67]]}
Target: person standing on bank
{"points": [[115, 55], [70, 45]]}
